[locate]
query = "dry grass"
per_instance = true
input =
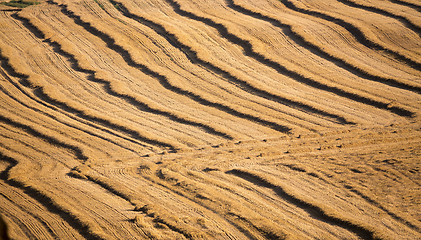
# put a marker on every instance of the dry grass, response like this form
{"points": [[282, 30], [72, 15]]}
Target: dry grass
{"points": [[177, 119]]}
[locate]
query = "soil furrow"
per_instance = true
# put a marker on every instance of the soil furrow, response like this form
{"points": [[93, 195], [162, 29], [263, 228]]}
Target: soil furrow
{"points": [[168, 184], [190, 189], [210, 119], [120, 194], [10, 71], [296, 168], [159, 215], [135, 134], [36, 217]]}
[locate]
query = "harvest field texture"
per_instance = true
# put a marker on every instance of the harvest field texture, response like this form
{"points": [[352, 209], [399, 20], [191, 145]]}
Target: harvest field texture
{"points": [[210, 119]]}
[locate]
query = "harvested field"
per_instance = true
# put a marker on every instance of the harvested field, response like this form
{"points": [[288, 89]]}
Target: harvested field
{"points": [[211, 119]]}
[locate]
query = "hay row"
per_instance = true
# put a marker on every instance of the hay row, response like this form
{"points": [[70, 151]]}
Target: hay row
{"points": [[249, 50], [304, 39], [175, 86], [364, 35]]}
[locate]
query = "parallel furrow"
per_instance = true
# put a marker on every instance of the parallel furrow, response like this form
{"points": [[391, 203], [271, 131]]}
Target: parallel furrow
{"points": [[117, 192], [41, 94], [130, 99], [408, 23], [313, 210], [302, 41], [37, 218], [378, 205], [163, 80], [195, 59], [183, 187], [408, 4], [211, 119], [10, 72], [50, 139], [55, 118], [356, 32], [350, 188], [248, 49], [159, 214], [45, 200], [91, 133]]}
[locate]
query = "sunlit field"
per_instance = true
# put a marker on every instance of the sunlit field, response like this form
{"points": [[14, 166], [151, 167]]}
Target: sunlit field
{"points": [[210, 119]]}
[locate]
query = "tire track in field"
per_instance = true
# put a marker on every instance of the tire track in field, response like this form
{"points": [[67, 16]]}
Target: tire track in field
{"points": [[407, 4], [52, 184], [248, 50], [37, 218], [46, 201], [350, 188], [17, 138], [22, 224], [266, 228], [181, 180], [380, 206], [55, 118], [314, 211], [41, 94], [52, 140], [355, 31], [187, 189], [252, 220], [11, 72], [107, 86], [155, 215], [195, 59], [362, 143], [53, 129], [163, 80], [192, 57], [408, 23], [103, 183], [302, 41], [73, 196], [159, 215]]}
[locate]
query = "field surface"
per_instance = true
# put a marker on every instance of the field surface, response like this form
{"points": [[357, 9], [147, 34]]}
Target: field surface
{"points": [[211, 119]]}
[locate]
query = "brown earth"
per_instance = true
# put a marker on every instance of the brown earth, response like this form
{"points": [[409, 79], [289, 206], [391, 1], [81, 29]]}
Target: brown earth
{"points": [[221, 119]]}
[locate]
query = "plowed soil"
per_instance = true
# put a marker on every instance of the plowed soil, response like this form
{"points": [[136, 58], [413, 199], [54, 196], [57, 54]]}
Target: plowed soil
{"points": [[211, 119]]}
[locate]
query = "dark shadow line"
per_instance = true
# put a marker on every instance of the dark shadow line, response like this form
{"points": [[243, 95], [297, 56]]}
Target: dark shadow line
{"points": [[194, 59], [314, 211], [248, 50], [46, 201], [301, 41], [163, 80], [356, 32]]}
